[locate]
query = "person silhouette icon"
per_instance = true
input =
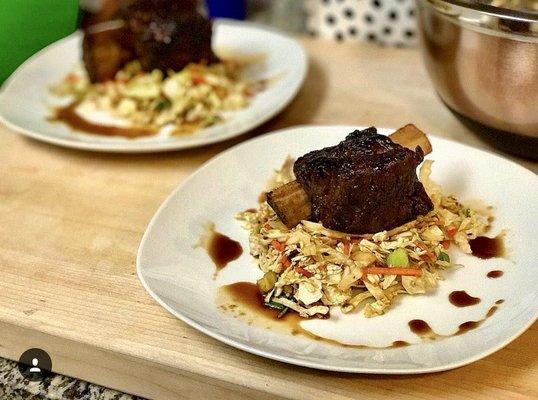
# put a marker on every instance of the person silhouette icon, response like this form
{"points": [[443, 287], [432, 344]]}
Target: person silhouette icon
{"points": [[35, 365], [35, 368]]}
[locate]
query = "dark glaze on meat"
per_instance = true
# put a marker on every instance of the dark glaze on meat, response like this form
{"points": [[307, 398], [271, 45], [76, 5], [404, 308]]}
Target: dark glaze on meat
{"points": [[161, 34], [367, 183], [105, 50], [169, 34]]}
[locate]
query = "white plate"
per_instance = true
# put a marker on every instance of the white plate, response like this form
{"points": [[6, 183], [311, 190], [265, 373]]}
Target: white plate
{"points": [[178, 276], [25, 98]]}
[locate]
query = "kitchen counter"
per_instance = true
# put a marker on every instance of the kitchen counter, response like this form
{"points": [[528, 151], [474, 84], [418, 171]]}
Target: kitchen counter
{"points": [[14, 387], [71, 223]]}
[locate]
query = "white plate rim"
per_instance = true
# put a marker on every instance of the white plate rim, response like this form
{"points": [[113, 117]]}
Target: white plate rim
{"points": [[253, 350], [154, 147]]}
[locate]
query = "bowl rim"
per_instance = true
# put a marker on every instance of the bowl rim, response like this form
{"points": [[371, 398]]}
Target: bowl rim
{"points": [[501, 12], [487, 19]]}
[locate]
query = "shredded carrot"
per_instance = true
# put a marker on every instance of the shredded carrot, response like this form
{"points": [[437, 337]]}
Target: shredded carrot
{"points": [[322, 267], [392, 271], [285, 261], [303, 272], [197, 79], [277, 245], [429, 256], [421, 245], [445, 244], [72, 78], [451, 232], [438, 219], [346, 247]]}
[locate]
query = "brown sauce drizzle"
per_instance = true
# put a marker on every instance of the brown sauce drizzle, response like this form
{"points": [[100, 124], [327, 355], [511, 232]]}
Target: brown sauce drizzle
{"points": [[460, 298], [400, 343], [243, 299], [245, 296], [485, 247], [470, 325], [491, 311], [222, 249], [495, 274], [467, 326], [422, 329], [70, 117]]}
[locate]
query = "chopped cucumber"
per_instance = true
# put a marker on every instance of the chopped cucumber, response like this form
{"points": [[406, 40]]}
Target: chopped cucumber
{"points": [[398, 258], [267, 282]]}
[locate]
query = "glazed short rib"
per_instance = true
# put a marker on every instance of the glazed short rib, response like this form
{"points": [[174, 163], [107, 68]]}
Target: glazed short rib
{"points": [[365, 184], [161, 34]]}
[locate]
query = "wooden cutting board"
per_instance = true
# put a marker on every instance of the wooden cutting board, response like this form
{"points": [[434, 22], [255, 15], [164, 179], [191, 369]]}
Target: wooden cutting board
{"points": [[71, 222]]}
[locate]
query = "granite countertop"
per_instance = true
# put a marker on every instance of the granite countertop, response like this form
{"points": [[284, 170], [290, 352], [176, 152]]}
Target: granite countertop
{"points": [[13, 386]]}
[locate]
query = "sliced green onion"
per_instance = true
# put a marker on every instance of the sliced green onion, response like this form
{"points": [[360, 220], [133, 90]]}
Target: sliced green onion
{"points": [[275, 305], [161, 105], [398, 258], [443, 256]]}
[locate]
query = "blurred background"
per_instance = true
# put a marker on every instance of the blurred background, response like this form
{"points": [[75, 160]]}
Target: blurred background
{"points": [[29, 25], [37, 23], [479, 44]]}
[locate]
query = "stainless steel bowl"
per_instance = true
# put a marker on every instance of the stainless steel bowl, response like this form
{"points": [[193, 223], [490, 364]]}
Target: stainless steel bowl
{"points": [[483, 61]]}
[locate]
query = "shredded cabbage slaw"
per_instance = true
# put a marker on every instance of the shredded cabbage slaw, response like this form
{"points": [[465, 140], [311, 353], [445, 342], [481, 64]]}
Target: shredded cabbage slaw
{"points": [[196, 97], [310, 268]]}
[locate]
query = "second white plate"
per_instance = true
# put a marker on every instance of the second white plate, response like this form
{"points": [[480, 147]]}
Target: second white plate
{"points": [[179, 276], [25, 98]]}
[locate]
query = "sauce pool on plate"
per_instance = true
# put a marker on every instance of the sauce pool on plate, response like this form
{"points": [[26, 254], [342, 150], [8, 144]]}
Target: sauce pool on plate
{"points": [[485, 247], [243, 300], [470, 325], [495, 274], [75, 121], [245, 297], [222, 250], [460, 298], [422, 328]]}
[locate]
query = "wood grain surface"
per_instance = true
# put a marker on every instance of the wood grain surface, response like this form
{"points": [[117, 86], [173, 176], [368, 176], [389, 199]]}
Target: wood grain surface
{"points": [[71, 222]]}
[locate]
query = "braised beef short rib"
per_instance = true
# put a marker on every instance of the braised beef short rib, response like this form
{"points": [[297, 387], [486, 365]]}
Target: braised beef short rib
{"points": [[365, 184], [161, 34], [105, 51]]}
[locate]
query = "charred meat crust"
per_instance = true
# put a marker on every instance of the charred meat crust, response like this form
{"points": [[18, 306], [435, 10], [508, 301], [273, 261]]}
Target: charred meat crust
{"points": [[169, 34], [161, 34], [105, 52], [365, 184]]}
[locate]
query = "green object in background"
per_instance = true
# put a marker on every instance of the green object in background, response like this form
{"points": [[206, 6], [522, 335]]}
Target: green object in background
{"points": [[26, 26]]}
